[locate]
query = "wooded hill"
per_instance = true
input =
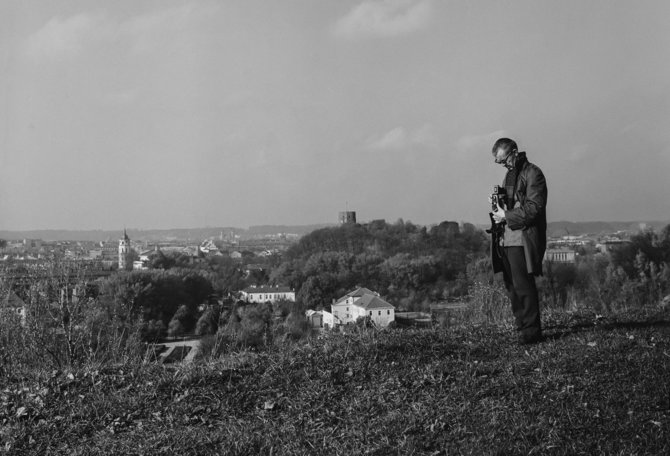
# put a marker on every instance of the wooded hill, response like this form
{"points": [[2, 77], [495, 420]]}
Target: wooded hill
{"points": [[402, 261]]}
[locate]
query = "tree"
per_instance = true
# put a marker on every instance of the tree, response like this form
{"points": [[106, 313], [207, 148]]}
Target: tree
{"points": [[175, 328], [296, 326], [130, 257], [186, 317], [255, 326], [559, 277], [208, 322], [154, 330], [158, 260]]}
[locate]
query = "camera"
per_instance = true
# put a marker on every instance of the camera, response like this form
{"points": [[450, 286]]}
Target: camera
{"points": [[498, 197]]}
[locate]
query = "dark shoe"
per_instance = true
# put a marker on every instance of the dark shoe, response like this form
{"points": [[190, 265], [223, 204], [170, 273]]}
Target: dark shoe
{"points": [[528, 339]]}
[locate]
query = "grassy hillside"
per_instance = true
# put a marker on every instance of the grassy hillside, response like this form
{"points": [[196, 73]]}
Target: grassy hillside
{"points": [[598, 385]]}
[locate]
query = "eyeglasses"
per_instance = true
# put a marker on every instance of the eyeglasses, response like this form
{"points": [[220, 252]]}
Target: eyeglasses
{"points": [[503, 161]]}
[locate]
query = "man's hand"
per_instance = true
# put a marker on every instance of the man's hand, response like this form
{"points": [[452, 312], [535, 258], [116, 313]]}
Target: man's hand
{"points": [[499, 214]]}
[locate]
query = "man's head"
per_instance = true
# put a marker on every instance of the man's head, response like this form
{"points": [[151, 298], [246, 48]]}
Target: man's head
{"points": [[505, 151]]}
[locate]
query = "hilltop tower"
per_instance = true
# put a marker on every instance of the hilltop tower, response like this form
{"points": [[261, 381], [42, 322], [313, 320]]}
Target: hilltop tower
{"points": [[124, 249], [347, 217]]}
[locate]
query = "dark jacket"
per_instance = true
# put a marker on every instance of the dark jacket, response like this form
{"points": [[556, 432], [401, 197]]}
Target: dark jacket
{"points": [[529, 215]]}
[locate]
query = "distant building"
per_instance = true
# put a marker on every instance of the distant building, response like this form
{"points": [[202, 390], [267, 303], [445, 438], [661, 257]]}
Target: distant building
{"points": [[361, 303], [347, 217], [208, 247], [321, 319], [95, 254], [608, 245], [124, 250], [10, 305], [32, 243], [253, 268], [267, 294], [560, 255]]}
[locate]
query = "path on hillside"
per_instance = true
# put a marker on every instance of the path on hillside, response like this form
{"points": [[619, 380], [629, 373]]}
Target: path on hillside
{"points": [[170, 346]]}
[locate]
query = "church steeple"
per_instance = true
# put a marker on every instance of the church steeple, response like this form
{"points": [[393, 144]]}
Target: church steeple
{"points": [[124, 249]]}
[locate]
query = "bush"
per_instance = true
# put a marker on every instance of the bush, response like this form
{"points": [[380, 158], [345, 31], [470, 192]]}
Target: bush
{"points": [[208, 323], [153, 331], [175, 328], [296, 326], [207, 348]]}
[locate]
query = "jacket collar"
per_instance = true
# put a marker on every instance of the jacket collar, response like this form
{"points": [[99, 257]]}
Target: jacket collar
{"points": [[520, 161]]}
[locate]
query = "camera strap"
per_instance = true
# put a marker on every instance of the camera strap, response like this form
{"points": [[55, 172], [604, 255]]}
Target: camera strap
{"points": [[510, 186], [512, 178]]}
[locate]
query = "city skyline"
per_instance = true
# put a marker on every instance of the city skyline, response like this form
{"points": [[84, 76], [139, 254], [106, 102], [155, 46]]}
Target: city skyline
{"points": [[166, 114]]}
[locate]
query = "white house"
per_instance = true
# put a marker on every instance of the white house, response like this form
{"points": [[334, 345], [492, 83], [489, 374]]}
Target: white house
{"points": [[139, 265], [267, 293], [560, 255], [209, 247], [321, 319], [360, 303]]}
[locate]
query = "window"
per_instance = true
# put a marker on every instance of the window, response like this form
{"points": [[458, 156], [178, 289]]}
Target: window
{"points": [[379, 313], [388, 312], [347, 309], [370, 313]]}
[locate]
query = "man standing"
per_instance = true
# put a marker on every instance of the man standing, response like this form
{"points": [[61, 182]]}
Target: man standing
{"points": [[519, 250]]}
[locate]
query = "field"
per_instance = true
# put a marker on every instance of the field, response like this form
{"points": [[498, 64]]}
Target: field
{"points": [[597, 385]]}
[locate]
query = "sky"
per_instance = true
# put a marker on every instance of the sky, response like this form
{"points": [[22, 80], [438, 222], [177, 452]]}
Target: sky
{"points": [[173, 114]]}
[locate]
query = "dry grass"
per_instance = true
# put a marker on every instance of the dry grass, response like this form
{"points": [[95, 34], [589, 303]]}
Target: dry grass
{"points": [[598, 385]]}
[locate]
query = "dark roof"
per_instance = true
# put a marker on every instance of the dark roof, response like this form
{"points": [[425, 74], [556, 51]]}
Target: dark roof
{"points": [[12, 300], [369, 301], [357, 293], [267, 289]]}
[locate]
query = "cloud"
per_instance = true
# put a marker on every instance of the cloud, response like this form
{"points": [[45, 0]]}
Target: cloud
{"points": [[62, 38], [384, 18], [476, 143], [399, 139]]}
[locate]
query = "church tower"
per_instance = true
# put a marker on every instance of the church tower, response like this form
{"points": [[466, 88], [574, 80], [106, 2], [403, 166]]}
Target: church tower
{"points": [[124, 249]]}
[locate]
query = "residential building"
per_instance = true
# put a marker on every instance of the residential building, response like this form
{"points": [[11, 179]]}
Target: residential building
{"points": [[363, 302], [208, 247], [321, 319], [560, 255], [267, 294]]}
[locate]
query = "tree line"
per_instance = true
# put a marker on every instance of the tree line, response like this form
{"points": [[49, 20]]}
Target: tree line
{"points": [[406, 263], [411, 266]]}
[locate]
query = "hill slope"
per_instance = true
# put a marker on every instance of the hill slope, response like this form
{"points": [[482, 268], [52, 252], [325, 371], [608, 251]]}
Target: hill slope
{"points": [[596, 386]]}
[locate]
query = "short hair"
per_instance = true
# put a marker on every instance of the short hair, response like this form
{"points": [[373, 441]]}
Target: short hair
{"points": [[506, 144]]}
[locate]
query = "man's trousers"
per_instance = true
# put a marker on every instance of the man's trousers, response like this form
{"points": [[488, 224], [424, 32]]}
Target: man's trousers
{"points": [[522, 292]]}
